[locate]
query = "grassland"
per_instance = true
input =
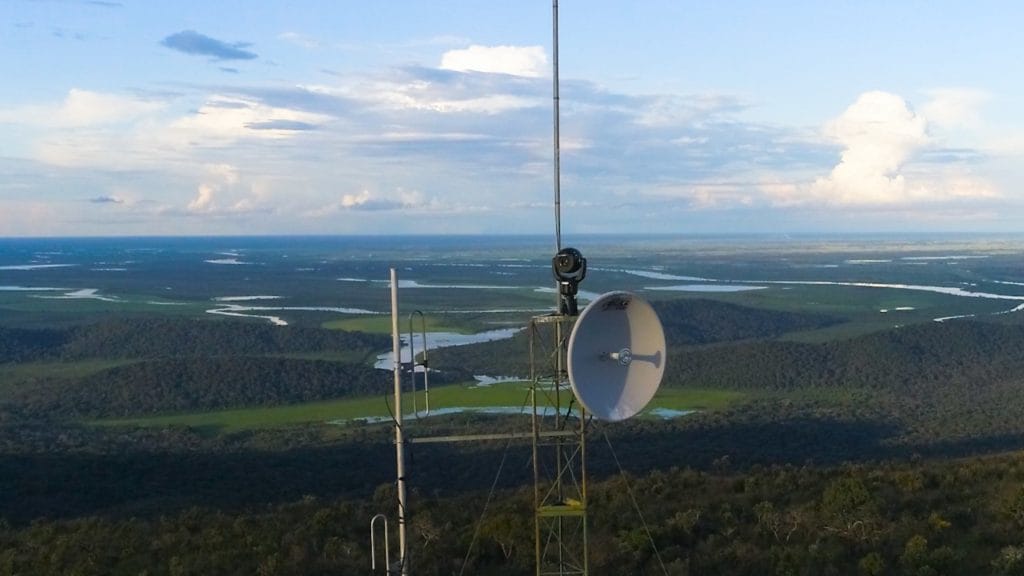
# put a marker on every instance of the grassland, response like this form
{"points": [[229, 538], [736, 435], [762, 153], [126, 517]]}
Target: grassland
{"points": [[509, 394], [20, 372]]}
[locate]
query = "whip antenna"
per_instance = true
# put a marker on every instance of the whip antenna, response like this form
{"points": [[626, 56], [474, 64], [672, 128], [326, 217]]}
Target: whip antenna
{"points": [[557, 136]]}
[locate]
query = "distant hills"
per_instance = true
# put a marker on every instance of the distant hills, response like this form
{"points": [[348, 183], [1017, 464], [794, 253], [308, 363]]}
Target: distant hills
{"points": [[173, 337], [917, 357]]}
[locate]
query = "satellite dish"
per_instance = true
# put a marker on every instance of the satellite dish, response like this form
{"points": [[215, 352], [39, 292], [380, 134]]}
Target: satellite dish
{"points": [[616, 356]]}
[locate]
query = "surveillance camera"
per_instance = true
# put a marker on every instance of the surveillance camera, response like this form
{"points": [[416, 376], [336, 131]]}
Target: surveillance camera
{"points": [[569, 264], [569, 267]]}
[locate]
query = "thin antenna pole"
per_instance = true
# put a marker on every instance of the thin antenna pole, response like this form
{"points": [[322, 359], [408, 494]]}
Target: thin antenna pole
{"points": [[557, 134], [396, 346]]}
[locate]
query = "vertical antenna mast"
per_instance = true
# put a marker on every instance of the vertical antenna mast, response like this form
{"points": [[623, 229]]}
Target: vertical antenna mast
{"points": [[557, 136], [396, 346]]}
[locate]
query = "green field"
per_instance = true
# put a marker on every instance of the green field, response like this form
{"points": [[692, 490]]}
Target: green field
{"points": [[511, 394], [12, 373]]}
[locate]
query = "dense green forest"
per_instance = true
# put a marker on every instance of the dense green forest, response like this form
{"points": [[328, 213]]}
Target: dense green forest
{"points": [[923, 357], [702, 321], [888, 453], [197, 383], [174, 337], [188, 365], [179, 364], [951, 517]]}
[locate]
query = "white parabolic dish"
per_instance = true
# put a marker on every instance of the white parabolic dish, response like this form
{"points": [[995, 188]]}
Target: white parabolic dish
{"points": [[616, 356]]}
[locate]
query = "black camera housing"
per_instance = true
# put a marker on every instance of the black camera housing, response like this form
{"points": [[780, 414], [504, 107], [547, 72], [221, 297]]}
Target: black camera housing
{"points": [[570, 268]]}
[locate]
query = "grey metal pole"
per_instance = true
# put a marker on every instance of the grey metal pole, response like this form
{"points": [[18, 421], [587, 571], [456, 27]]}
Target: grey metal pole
{"points": [[557, 134], [396, 345]]}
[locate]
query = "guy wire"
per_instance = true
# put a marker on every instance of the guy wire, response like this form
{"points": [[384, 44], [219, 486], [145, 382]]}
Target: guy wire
{"points": [[636, 506]]}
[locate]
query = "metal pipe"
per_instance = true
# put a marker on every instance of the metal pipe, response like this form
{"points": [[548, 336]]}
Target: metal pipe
{"points": [[373, 544], [396, 345]]}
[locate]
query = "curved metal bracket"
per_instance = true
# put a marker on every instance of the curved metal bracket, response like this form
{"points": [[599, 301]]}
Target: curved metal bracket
{"points": [[412, 364], [373, 544]]}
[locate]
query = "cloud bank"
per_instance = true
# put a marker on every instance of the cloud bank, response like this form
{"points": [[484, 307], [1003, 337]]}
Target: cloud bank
{"points": [[469, 137]]}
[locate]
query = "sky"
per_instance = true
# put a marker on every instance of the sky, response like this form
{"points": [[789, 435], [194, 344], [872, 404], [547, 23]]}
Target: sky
{"points": [[223, 117]]}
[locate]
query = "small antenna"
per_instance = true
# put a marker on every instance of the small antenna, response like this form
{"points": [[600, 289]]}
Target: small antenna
{"points": [[557, 133], [396, 347]]}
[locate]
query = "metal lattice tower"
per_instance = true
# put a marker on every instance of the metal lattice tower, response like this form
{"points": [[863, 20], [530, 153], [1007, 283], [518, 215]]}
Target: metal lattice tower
{"points": [[559, 462]]}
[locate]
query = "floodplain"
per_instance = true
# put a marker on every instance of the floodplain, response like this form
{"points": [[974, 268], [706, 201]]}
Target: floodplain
{"points": [[146, 382]]}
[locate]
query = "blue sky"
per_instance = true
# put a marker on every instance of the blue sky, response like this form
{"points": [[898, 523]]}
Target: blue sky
{"points": [[238, 117]]}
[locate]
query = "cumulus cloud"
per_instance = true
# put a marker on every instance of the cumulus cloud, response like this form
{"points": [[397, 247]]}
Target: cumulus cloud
{"points": [[879, 133], [218, 178], [196, 44], [203, 201], [528, 61], [892, 157], [480, 141], [882, 138]]}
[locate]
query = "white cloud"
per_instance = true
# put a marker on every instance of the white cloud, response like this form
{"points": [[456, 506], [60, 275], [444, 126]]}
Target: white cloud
{"points": [[219, 177], [203, 201], [879, 133], [401, 199], [421, 95], [679, 110], [528, 61], [708, 195], [225, 172], [881, 136], [82, 108], [780, 192], [85, 108], [950, 107], [355, 200], [223, 120], [108, 131]]}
